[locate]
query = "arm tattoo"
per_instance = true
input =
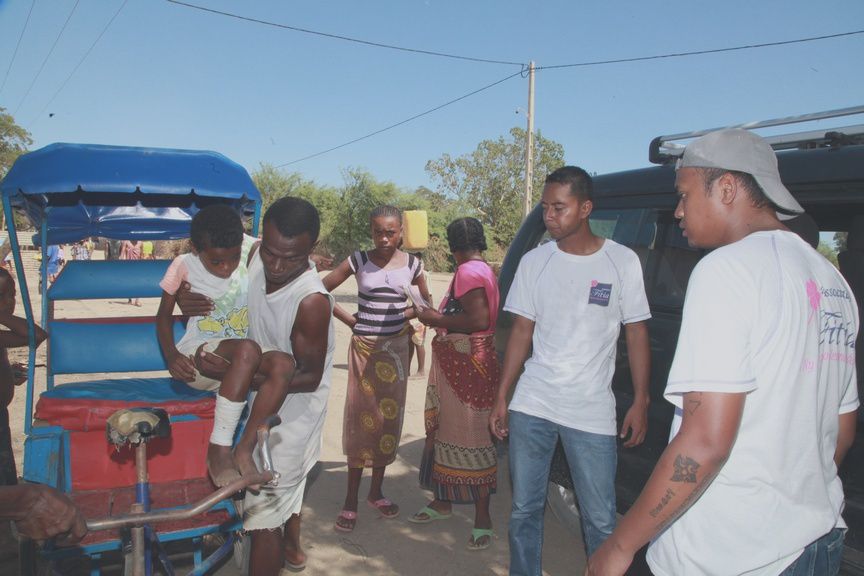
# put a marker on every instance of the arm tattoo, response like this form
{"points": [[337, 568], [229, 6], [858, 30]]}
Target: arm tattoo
{"points": [[662, 504], [685, 469], [684, 506], [693, 402]]}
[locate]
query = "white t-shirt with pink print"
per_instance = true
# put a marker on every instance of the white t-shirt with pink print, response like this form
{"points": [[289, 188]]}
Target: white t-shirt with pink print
{"points": [[767, 316]]}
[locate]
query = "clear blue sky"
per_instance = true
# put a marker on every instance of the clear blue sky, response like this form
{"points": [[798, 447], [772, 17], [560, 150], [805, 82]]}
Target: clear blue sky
{"points": [[167, 75]]}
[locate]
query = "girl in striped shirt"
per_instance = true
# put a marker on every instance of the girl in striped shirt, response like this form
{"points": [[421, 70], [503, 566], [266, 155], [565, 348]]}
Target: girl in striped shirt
{"points": [[377, 358]]}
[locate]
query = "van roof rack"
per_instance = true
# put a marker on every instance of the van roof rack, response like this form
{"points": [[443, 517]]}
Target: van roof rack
{"points": [[664, 150]]}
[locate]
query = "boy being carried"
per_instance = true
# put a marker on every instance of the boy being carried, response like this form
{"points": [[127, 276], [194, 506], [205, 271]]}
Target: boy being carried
{"points": [[217, 268]]}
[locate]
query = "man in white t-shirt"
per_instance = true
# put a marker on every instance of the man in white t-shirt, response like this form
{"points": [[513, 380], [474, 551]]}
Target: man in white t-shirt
{"points": [[763, 382], [569, 299]]}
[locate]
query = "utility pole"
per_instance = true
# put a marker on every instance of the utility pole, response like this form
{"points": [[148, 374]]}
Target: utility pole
{"points": [[529, 143]]}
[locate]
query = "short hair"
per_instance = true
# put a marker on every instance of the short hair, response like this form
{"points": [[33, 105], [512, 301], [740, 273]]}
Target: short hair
{"points": [[466, 234], [293, 217], [580, 182], [386, 211], [216, 226], [745, 180]]}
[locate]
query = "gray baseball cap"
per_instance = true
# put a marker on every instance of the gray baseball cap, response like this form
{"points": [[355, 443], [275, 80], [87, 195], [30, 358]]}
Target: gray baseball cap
{"points": [[742, 151]]}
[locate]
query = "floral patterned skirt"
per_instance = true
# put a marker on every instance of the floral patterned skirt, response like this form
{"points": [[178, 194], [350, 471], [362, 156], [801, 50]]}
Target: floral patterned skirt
{"points": [[459, 460], [375, 402]]}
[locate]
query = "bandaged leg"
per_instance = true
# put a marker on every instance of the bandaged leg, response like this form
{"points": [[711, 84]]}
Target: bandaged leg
{"points": [[220, 458]]}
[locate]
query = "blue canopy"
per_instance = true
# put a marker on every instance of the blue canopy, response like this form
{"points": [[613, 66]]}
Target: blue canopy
{"points": [[123, 192]]}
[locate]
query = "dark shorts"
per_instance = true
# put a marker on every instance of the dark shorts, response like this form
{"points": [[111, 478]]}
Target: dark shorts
{"points": [[8, 472]]}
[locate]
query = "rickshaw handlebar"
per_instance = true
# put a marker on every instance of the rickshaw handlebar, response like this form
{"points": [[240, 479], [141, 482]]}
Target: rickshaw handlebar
{"points": [[268, 476]]}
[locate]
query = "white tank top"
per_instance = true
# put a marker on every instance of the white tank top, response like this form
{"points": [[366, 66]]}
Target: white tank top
{"points": [[296, 443]]}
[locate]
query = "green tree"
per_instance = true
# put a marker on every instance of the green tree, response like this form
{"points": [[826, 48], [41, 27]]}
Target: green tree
{"points": [[356, 199], [840, 241], [491, 180], [274, 184], [14, 141], [828, 252]]}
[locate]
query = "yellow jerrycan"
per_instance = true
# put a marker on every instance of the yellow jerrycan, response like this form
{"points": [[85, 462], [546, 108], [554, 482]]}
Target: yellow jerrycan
{"points": [[415, 230]]}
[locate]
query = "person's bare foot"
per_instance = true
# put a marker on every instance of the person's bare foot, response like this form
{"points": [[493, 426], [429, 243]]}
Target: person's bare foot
{"points": [[293, 556], [221, 465], [295, 560], [246, 465]]}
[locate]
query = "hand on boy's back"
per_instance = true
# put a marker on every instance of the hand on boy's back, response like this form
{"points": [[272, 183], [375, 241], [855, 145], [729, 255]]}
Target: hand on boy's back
{"points": [[192, 303]]}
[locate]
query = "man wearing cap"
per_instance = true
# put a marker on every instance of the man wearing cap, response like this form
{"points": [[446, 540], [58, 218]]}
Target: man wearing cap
{"points": [[763, 383]]}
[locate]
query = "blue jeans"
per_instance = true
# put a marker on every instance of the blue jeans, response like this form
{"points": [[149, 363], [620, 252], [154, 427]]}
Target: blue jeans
{"points": [[821, 558], [592, 459]]}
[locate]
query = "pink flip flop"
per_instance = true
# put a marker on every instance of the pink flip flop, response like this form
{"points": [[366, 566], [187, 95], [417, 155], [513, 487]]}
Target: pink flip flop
{"points": [[382, 505], [349, 518]]}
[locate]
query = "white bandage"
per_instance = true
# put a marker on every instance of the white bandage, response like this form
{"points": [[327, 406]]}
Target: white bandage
{"points": [[225, 420]]}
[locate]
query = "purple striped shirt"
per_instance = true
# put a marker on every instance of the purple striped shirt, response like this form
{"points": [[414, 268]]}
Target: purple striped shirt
{"points": [[381, 303]]}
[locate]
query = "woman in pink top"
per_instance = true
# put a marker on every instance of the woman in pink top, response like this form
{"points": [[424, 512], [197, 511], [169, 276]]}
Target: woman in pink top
{"points": [[459, 460]]}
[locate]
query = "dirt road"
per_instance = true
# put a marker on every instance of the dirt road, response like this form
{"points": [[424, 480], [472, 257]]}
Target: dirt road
{"points": [[377, 546]]}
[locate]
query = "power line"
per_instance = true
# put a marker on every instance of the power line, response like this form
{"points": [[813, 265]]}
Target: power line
{"points": [[345, 38], [580, 64], [700, 52], [45, 61], [403, 121], [80, 62], [17, 45]]}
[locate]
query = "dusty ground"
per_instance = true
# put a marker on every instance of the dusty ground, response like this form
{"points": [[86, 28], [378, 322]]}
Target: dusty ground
{"points": [[377, 546]]}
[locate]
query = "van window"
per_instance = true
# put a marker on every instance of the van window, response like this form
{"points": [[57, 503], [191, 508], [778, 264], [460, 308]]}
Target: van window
{"points": [[635, 228], [671, 265]]}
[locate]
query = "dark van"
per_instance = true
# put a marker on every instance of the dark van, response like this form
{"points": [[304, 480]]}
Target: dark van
{"points": [[824, 171]]}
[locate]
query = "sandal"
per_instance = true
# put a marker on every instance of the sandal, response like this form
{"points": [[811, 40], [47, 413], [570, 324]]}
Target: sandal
{"points": [[477, 534], [294, 567], [426, 515], [346, 521], [383, 505]]}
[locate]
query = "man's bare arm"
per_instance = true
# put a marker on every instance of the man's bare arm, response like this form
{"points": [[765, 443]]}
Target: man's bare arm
{"points": [[635, 422], [845, 435], [518, 346], [685, 470], [309, 342]]}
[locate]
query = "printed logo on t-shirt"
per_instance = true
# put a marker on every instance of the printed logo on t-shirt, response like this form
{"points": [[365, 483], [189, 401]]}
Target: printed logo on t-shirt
{"points": [[600, 293], [836, 330]]}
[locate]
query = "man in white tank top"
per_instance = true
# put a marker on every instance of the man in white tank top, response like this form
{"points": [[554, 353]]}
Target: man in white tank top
{"points": [[289, 311], [763, 383]]}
